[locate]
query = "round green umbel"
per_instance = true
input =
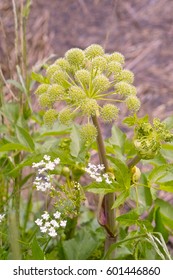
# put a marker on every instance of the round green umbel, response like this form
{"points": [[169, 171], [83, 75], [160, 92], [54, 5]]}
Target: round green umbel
{"points": [[88, 133], [109, 112], [50, 117]]}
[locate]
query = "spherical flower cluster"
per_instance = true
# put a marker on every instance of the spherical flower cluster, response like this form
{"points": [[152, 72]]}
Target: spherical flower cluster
{"points": [[43, 181], [49, 224], [2, 217], [88, 133], [95, 172], [83, 78], [89, 107], [50, 117], [109, 112]]}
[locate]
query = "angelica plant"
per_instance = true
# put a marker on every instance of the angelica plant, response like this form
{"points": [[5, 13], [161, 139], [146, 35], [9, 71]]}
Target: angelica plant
{"points": [[90, 84]]}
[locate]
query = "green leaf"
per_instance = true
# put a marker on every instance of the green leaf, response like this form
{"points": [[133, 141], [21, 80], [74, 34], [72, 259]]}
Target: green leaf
{"points": [[39, 78], [167, 186], [14, 146], [81, 246], [161, 174], [10, 111], [121, 199], [16, 84], [130, 121], [128, 219], [24, 137], [37, 253], [159, 225], [169, 122], [103, 187], [118, 137], [75, 144], [122, 174]]}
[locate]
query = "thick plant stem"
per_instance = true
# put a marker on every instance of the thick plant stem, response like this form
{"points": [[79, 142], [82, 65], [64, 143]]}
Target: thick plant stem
{"points": [[107, 214]]}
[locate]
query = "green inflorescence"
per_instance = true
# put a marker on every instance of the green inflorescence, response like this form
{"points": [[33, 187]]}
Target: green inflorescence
{"points": [[83, 78]]}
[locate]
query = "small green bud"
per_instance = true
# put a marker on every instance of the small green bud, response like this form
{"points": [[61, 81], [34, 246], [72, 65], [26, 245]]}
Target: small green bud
{"points": [[65, 171], [89, 107], [101, 83], [125, 89], [51, 70], [76, 94], [88, 133], [114, 67], [42, 89], [63, 63], [44, 100], [50, 117], [109, 112], [75, 56], [59, 77], [83, 76], [116, 56], [99, 63], [136, 174], [55, 92], [66, 116], [93, 51], [133, 103], [126, 76]]}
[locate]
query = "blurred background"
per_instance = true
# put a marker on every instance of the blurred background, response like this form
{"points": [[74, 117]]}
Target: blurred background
{"points": [[141, 30]]}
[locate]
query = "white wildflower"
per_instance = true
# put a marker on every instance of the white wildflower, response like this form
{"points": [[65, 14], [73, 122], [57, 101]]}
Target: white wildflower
{"points": [[52, 232], [54, 223], [45, 216], [57, 161], [50, 166], [43, 229], [57, 215], [63, 223], [2, 217], [99, 179], [39, 222], [46, 157]]}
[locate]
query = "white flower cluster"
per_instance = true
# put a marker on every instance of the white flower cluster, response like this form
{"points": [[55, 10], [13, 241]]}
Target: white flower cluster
{"points": [[95, 173], [44, 166], [48, 225], [2, 217]]}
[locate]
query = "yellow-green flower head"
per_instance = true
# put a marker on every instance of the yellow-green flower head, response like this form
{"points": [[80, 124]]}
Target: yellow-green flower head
{"points": [[76, 94], [163, 133], [126, 76], [63, 63], [116, 56], [51, 70], [147, 147], [88, 133], [89, 107], [75, 56], [99, 63], [133, 103], [125, 89], [83, 76], [109, 112], [45, 101], [93, 51], [101, 83], [56, 92], [60, 77], [50, 117], [65, 116], [42, 89], [114, 67]]}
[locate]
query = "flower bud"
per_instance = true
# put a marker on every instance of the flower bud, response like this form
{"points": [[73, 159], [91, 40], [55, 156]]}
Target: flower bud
{"points": [[109, 112], [101, 83], [76, 94], [75, 56], [99, 63], [42, 89], [93, 51], [114, 67], [45, 101], [50, 117], [125, 89], [133, 103], [136, 174], [55, 92], [59, 77], [147, 148], [116, 56], [51, 70], [65, 116], [83, 76], [63, 63], [125, 76], [89, 107], [88, 133]]}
